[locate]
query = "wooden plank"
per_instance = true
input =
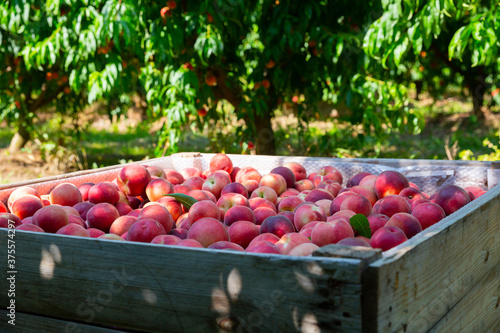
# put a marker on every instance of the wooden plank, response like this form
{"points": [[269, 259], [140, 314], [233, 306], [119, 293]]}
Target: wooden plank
{"points": [[415, 284], [29, 323], [484, 300], [149, 287]]}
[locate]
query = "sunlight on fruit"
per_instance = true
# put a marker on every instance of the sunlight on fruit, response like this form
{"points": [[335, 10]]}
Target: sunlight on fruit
{"points": [[49, 260]]}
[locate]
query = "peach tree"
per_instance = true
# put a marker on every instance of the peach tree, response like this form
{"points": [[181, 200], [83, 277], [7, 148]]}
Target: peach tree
{"points": [[184, 58]]}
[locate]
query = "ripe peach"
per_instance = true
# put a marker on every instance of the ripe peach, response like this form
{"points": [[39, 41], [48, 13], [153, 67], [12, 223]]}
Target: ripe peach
{"points": [[263, 213], [243, 232], [412, 194], [51, 218], [357, 203], [303, 185], [337, 202], [275, 181], [101, 216], [248, 173], [331, 186], [199, 195], [195, 183], [406, 222], [26, 206], [238, 213], [234, 173], [390, 182], [103, 192], [65, 194], [3, 208], [475, 191], [6, 218], [289, 241], [325, 205], [166, 240], [365, 191], [111, 237], [158, 213], [268, 237], [318, 194], [328, 173], [353, 241], [179, 232], [298, 170], [250, 185], [155, 171], [368, 181], [377, 221], [235, 188], [157, 188], [417, 202], [355, 179], [306, 213], [229, 200], [135, 212], [203, 209], [173, 176], [95, 233], [286, 173], [263, 247], [208, 231], [133, 179], [387, 237], [221, 162], [226, 245], [172, 205], [331, 232], [215, 183], [76, 220], [189, 243], [303, 250], [289, 203], [290, 192], [277, 225], [122, 224], [144, 230], [134, 202], [190, 172], [84, 190], [27, 220], [258, 202], [123, 208], [29, 227], [265, 192], [20, 192], [391, 204], [428, 213], [451, 198], [73, 229], [184, 189], [344, 214]]}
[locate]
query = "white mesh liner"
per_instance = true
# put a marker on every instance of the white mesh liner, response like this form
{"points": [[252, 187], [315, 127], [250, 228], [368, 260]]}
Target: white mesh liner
{"points": [[429, 175]]}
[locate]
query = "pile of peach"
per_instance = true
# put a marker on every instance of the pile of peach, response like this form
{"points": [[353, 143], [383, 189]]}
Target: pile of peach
{"points": [[283, 212]]}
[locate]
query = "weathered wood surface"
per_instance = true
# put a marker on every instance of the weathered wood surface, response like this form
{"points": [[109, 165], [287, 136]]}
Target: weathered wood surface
{"points": [[156, 288], [28, 323], [417, 284]]}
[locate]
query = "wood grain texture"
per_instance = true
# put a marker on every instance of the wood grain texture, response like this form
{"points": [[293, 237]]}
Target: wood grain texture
{"points": [[28, 323], [415, 284], [156, 288]]}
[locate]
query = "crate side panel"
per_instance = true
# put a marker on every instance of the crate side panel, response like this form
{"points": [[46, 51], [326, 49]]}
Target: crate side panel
{"points": [[413, 285], [29, 323], [153, 288]]}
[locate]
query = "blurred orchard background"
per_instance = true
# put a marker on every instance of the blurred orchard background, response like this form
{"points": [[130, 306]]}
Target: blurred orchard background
{"points": [[90, 83]]}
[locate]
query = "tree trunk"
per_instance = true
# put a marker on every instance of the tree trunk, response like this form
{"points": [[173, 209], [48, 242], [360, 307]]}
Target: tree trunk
{"points": [[22, 136], [265, 141], [477, 86]]}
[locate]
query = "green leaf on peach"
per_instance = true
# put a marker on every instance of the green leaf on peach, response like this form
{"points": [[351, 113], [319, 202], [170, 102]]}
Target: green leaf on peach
{"points": [[186, 200], [360, 223]]}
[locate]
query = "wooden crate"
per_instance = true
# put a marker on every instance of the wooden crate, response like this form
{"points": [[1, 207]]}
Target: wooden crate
{"points": [[445, 279]]}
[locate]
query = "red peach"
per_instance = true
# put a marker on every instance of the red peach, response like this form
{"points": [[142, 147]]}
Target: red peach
{"points": [[166, 240], [263, 247], [318, 194], [174, 176], [144, 230], [229, 200], [265, 192], [243, 232], [451, 198], [7, 218], [65, 194], [208, 231], [250, 185], [221, 162], [258, 202], [248, 173], [3, 208], [103, 192], [215, 183], [475, 191], [387, 237], [289, 203], [123, 208], [325, 205], [184, 189], [298, 170], [357, 203], [303, 250], [268, 237], [303, 185], [51, 218], [277, 225], [290, 192], [331, 186], [73, 229], [28, 220], [157, 188], [327, 173], [195, 183], [337, 202], [353, 241], [20, 192], [189, 243], [95, 233], [234, 173], [263, 213], [133, 179], [377, 221], [101, 216], [238, 213], [356, 179], [135, 212], [156, 171], [344, 214], [179, 232], [368, 181], [122, 224], [235, 188], [226, 245], [111, 237], [203, 209], [158, 213], [365, 191], [26, 206], [390, 182], [406, 222], [412, 194], [306, 213], [172, 205], [199, 195], [331, 232], [29, 227], [291, 240], [134, 202], [417, 202], [84, 190], [391, 204], [286, 173], [76, 220], [428, 213], [190, 172], [275, 181]]}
